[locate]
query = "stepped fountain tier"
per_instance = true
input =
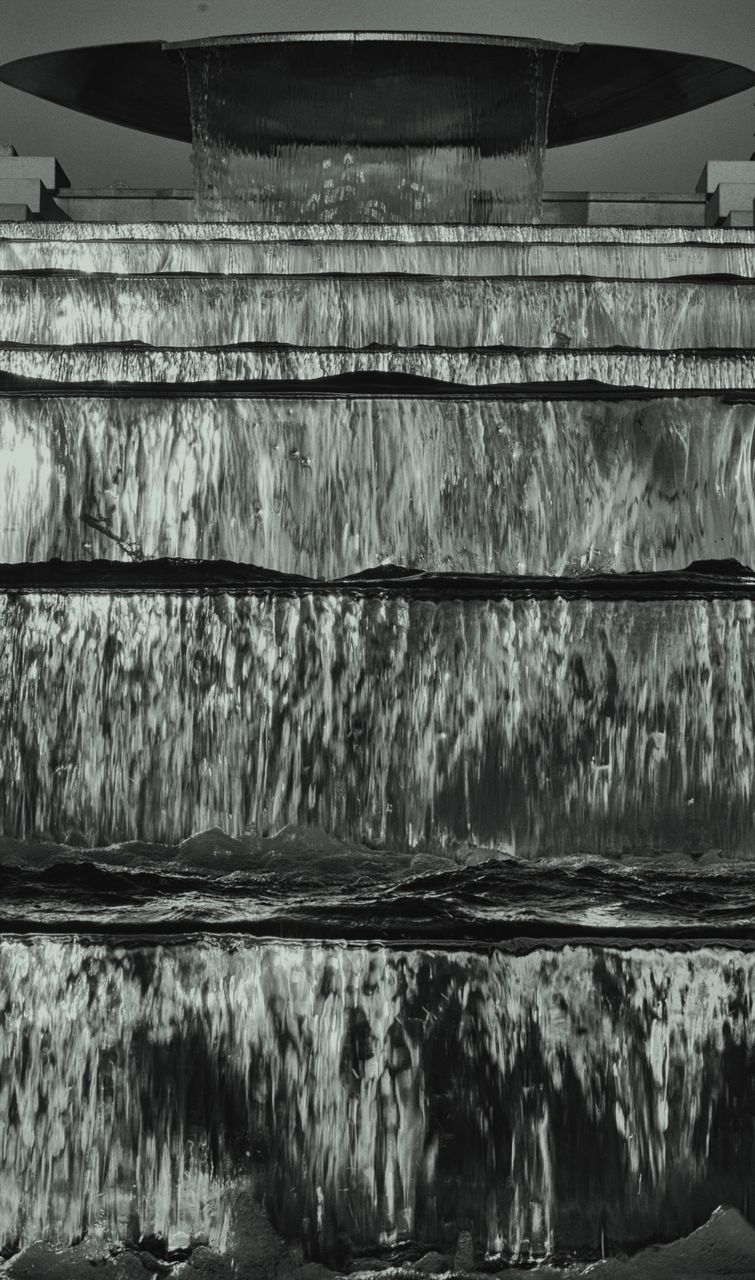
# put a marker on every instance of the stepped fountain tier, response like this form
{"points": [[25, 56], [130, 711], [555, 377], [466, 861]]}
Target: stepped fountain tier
{"points": [[541, 718], [374, 126], [358, 311], [445, 250], [324, 481], [258, 1099]]}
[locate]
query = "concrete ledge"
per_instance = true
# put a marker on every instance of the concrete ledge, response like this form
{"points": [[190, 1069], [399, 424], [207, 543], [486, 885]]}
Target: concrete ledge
{"points": [[128, 206], [577, 208], [618, 209]]}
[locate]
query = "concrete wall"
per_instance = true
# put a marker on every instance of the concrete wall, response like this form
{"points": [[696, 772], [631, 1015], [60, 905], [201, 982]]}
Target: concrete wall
{"points": [[580, 208]]}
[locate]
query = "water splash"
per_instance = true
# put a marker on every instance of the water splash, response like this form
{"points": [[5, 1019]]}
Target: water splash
{"points": [[538, 725], [371, 1097], [328, 487]]}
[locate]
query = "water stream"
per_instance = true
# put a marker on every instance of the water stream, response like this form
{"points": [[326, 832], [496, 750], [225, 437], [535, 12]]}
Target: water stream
{"points": [[392, 310], [577, 251], [481, 367], [364, 1098], [364, 162], [539, 726], [331, 486]]}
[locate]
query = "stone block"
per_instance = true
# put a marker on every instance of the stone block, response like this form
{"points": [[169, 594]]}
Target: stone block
{"points": [[729, 197], [739, 219], [28, 191], [6, 149], [14, 213], [44, 169], [725, 171]]}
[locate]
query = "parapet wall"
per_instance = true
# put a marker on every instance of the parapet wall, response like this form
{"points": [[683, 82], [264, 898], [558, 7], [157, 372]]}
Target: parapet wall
{"points": [[560, 208]]}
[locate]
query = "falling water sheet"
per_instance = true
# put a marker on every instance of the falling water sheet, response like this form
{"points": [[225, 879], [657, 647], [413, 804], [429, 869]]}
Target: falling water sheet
{"points": [[448, 142], [393, 310], [137, 363], [420, 477], [406, 233], [269, 1102], [606, 716], [123, 251]]}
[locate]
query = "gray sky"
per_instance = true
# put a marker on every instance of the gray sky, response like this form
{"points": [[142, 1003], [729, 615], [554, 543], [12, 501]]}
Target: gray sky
{"points": [[663, 157]]}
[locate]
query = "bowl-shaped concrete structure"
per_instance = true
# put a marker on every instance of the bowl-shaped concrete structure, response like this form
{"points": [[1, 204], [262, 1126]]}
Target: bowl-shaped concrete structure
{"points": [[381, 88]]}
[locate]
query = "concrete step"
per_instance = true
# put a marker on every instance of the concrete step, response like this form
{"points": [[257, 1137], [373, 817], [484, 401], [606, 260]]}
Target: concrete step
{"points": [[14, 212]]}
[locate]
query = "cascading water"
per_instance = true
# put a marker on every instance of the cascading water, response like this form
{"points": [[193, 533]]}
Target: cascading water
{"points": [[271, 669], [326, 485], [359, 311], [129, 364], [541, 726], [406, 173], [236, 248], [405, 1096]]}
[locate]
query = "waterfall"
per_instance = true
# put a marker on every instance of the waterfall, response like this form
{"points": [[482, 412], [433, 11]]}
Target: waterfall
{"points": [[357, 311], [130, 250], [635, 239], [543, 726], [369, 1095], [331, 486], [678, 370], [248, 167], [375, 922]]}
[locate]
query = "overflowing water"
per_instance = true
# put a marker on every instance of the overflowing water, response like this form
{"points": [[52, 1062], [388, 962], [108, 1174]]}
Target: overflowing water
{"points": [[539, 1103], [514, 818], [129, 364], [358, 311], [538, 726], [361, 164], [129, 250], [631, 238], [328, 486]]}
